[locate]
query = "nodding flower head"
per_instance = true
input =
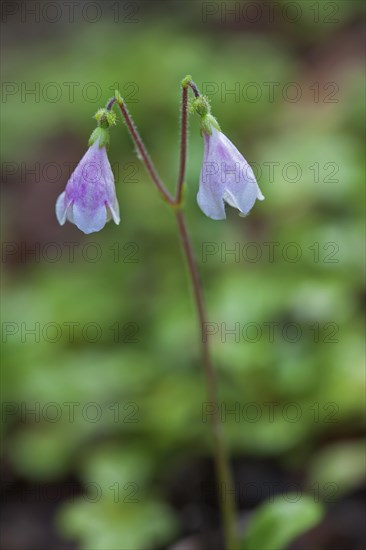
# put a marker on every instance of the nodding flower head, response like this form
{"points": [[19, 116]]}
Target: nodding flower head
{"points": [[225, 175], [89, 200]]}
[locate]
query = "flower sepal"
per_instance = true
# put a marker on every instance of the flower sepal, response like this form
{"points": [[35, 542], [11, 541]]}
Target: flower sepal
{"points": [[101, 135], [207, 123], [201, 106]]}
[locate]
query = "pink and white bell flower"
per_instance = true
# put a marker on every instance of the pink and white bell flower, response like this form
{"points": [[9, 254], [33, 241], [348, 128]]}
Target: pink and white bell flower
{"points": [[89, 200], [226, 177]]}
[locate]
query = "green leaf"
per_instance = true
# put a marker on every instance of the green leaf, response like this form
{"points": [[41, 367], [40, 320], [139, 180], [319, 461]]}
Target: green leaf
{"points": [[275, 524], [337, 469], [109, 525]]}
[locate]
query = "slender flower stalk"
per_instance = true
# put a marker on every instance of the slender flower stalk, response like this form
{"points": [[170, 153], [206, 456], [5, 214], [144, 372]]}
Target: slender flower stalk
{"points": [[189, 82], [140, 146], [183, 144]]}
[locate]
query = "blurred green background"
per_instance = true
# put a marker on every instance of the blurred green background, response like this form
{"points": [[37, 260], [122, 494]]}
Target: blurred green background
{"points": [[116, 453]]}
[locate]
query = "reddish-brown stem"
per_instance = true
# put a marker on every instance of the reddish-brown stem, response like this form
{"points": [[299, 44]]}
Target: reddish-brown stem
{"points": [[183, 145], [224, 478], [110, 103], [194, 88], [145, 156]]}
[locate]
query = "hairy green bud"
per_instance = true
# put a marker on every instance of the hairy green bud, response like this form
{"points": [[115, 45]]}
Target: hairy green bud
{"points": [[105, 118], [201, 106]]}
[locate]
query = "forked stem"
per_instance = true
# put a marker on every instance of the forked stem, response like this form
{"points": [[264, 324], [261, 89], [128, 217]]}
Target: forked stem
{"points": [[225, 488], [140, 146]]}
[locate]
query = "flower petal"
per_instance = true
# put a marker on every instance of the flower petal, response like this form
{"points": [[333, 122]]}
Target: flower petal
{"points": [[243, 194], [211, 203], [209, 197], [114, 210], [110, 191], [89, 220], [62, 208], [242, 199]]}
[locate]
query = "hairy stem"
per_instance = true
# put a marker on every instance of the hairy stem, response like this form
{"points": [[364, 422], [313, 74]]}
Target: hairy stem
{"points": [[110, 103], [183, 145], [193, 87], [225, 483], [145, 155]]}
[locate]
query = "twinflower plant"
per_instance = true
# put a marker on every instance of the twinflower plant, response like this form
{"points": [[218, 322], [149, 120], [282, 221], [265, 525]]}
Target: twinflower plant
{"points": [[89, 201]]}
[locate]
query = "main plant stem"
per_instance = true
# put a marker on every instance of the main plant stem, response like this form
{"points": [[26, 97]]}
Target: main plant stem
{"points": [[225, 484], [224, 480]]}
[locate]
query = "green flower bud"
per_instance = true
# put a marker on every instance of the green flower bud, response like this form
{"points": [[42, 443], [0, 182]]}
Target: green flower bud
{"points": [[105, 118], [200, 105]]}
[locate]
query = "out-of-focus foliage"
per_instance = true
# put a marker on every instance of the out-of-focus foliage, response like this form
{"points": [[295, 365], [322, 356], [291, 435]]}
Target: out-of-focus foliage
{"points": [[142, 371], [275, 524]]}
